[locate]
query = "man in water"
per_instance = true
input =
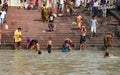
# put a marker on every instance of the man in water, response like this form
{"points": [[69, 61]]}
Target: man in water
{"points": [[49, 45], [107, 39], [83, 38]]}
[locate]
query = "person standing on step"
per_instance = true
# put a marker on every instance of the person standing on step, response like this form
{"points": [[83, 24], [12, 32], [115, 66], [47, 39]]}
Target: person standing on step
{"points": [[3, 15], [71, 6], [17, 38], [93, 25], [44, 13], [49, 45], [83, 38], [61, 5], [107, 39], [104, 10], [51, 21], [79, 21]]}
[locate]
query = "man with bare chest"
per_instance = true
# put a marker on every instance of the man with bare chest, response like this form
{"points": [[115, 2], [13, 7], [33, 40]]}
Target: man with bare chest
{"points": [[79, 20], [83, 38]]}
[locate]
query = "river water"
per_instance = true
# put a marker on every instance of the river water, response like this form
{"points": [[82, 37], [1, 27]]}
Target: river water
{"points": [[88, 62]]}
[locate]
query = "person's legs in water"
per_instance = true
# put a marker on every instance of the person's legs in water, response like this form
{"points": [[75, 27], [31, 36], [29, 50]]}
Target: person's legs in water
{"points": [[19, 45], [49, 48], [15, 45], [82, 43]]}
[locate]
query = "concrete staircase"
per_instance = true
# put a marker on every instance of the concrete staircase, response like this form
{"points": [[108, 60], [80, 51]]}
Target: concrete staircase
{"points": [[32, 26]]}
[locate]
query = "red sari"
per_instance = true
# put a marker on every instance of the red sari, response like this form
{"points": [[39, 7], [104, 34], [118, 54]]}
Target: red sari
{"points": [[37, 3], [74, 1]]}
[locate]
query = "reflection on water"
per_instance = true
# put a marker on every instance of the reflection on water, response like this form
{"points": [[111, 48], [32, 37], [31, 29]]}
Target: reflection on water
{"points": [[17, 63], [90, 62]]}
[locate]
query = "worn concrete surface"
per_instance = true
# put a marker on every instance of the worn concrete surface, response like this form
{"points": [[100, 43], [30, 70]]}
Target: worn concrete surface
{"points": [[88, 62]]}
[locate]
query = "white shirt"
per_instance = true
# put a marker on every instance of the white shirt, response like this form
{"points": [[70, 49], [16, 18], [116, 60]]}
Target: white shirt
{"points": [[104, 8], [61, 2], [3, 14], [93, 22], [77, 3]]}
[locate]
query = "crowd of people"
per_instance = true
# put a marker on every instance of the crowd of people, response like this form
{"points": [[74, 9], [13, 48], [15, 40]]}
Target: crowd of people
{"points": [[64, 7], [68, 5]]}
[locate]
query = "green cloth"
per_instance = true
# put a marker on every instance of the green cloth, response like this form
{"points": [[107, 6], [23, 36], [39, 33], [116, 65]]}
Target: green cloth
{"points": [[45, 13], [106, 40], [71, 5]]}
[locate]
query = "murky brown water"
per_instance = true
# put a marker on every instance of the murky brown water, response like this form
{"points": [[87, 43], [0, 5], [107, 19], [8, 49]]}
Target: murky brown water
{"points": [[89, 62]]}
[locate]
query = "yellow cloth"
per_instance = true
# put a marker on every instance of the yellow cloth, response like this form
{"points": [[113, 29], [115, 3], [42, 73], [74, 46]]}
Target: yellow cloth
{"points": [[17, 36]]}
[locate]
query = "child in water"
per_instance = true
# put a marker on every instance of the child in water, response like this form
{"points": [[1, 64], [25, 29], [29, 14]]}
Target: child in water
{"points": [[49, 45]]}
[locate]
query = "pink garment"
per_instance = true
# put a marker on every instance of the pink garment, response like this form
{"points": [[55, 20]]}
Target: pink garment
{"points": [[31, 2], [50, 1], [37, 3]]}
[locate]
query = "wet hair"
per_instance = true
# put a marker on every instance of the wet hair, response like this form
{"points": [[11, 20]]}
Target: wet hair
{"points": [[33, 42], [36, 41], [106, 54], [19, 28], [66, 41], [50, 38]]}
